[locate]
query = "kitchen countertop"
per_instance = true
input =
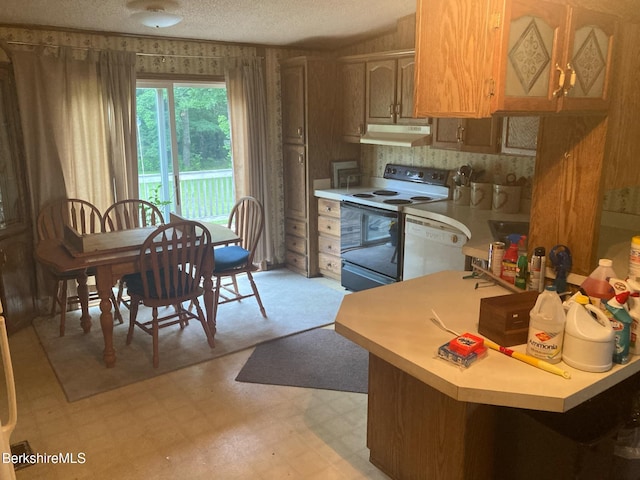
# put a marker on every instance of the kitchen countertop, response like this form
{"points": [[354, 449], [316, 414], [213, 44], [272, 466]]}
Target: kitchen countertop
{"points": [[614, 243], [393, 323]]}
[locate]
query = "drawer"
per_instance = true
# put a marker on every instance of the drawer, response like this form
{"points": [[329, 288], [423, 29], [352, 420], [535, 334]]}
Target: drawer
{"points": [[295, 227], [327, 207], [329, 225], [296, 244], [329, 263], [296, 260], [329, 245]]}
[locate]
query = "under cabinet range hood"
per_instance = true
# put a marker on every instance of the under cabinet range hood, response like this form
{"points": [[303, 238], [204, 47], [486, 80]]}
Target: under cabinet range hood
{"points": [[397, 135]]}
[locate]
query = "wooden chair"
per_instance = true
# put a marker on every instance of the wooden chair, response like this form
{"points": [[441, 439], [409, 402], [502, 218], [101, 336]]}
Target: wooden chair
{"points": [[126, 215], [247, 220], [83, 217], [171, 261]]}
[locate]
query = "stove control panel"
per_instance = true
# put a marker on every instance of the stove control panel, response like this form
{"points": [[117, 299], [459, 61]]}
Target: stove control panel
{"points": [[431, 176]]}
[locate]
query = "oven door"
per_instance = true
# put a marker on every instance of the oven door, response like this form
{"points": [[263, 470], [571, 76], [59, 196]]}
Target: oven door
{"points": [[370, 246]]}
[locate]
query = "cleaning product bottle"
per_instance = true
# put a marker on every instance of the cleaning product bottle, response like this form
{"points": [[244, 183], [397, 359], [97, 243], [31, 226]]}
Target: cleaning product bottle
{"points": [[546, 327], [620, 322], [522, 264], [510, 263], [537, 270], [597, 285], [634, 311]]}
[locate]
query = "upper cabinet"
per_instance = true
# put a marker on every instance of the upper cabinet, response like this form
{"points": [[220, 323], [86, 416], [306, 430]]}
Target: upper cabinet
{"points": [[352, 89], [524, 57], [478, 135], [389, 90], [293, 104]]}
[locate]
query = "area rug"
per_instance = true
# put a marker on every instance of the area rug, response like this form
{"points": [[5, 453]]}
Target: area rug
{"points": [[319, 358], [293, 303]]}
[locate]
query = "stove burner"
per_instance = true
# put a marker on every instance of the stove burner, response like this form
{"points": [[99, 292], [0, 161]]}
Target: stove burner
{"points": [[397, 201], [385, 193], [362, 195], [420, 198]]}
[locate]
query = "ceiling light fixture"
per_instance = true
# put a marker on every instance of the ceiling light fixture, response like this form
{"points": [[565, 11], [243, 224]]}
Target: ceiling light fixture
{"points": [[154, 14]]}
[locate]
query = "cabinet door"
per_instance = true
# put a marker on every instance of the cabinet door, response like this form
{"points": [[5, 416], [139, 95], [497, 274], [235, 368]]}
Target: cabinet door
{"points": [[481, 135], [352, 86], [404, 92], [520, 135], [447, 133], [590, 53], [532, 70], [17, 275], [381, 91], [293, 114], [295, 190]]}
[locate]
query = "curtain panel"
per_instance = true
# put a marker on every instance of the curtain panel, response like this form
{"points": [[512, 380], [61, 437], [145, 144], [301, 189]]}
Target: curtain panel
{"points": [[248, 118]]}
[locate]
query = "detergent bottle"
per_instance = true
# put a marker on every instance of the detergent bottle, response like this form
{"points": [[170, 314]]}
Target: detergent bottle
{"points": [[597, 285], [588, 336], [546, 327]]}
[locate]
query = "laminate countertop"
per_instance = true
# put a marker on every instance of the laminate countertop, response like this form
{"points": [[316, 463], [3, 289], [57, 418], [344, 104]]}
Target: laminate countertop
{"points": [[393, 323]]}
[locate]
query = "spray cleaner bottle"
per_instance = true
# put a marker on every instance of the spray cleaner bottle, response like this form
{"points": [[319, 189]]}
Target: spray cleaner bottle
{"points": [[621, 320]]}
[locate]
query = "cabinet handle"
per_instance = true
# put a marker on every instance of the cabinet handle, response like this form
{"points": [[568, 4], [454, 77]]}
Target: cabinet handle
{"points": [[572, 78], [301, 159], [360, 129], [558, 91], [391, 110], [460, 134], [299, 132], [397, 108]]}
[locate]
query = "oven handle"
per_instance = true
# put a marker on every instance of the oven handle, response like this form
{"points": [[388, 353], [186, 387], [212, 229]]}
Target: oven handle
{"points": [[378, 211]]}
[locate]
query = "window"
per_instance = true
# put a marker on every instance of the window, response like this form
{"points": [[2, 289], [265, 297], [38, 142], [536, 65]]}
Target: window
{"points": [[184, 148]]}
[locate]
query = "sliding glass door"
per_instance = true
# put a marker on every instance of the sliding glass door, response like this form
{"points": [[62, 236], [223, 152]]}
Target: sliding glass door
{"points": [[184, 148]]}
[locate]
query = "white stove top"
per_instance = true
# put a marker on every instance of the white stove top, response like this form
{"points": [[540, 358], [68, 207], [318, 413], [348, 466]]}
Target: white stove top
{"points": [[395, 194]]}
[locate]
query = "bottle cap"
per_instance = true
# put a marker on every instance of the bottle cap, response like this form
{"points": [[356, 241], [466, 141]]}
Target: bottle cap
{"points": [[540, 251], [551, 288], [605, 262]]}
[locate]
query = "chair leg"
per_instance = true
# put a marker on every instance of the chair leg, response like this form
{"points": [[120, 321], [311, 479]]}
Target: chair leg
{"points": [[63, 307], [257, 295], [205, 325], [156, 359], [133, 314], [56, 297], [116, 309], [216, 298]]}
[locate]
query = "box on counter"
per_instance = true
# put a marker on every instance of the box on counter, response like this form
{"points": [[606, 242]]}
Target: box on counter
{"points": [[505, 319]]}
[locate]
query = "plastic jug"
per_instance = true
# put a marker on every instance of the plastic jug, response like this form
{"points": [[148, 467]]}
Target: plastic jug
{"points": [[589, 339], [546, 327], [597, 283]]}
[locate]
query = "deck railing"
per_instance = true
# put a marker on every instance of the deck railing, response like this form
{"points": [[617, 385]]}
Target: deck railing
{"points": [[206, 195]]}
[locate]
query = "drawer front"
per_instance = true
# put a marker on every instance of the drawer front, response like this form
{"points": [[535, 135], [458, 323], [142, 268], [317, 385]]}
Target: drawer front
{"points": [[327, 207], [296, 260], [295, 227], [296, 244], [329, 263], [329, 245], [329, 225]]}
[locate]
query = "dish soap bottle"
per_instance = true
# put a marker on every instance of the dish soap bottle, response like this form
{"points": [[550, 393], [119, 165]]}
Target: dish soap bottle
{"points": [[546, 327], [597, 285]]}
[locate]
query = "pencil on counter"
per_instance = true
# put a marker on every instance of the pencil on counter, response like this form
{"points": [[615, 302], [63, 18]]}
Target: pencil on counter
{"points": [[541, 364]]}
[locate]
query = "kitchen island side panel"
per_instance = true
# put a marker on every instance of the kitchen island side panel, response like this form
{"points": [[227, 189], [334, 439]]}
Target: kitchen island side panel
{"points": [[416, 432]]}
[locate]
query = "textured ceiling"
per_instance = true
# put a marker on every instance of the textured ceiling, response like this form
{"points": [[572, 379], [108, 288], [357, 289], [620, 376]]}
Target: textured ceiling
{"points": [[305, 23]]}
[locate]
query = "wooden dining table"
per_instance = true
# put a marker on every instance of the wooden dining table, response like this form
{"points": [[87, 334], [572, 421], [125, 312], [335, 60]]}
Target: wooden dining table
{"points": [[112, 255]]}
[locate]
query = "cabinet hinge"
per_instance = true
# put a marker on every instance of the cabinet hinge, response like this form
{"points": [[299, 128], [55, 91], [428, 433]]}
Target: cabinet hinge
{"points": [[495, 20]]}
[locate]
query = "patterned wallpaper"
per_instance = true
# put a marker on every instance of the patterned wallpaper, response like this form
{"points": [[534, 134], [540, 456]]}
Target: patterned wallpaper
{"points": [[162, 56]]}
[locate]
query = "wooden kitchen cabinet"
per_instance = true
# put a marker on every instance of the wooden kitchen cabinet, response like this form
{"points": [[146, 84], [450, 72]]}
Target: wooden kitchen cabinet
{"points": [[17, 270], [520, 135], [467, 135], [525, 57], [390, 90], [352, 89], [329, 238], [307, 154]]}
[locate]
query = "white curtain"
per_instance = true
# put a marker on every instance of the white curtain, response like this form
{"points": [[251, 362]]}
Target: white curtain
{"points": [[77, 112], [248, 119]]}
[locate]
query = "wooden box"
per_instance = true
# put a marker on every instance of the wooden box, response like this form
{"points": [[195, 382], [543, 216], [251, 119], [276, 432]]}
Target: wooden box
{"points": [[505, 319]]}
